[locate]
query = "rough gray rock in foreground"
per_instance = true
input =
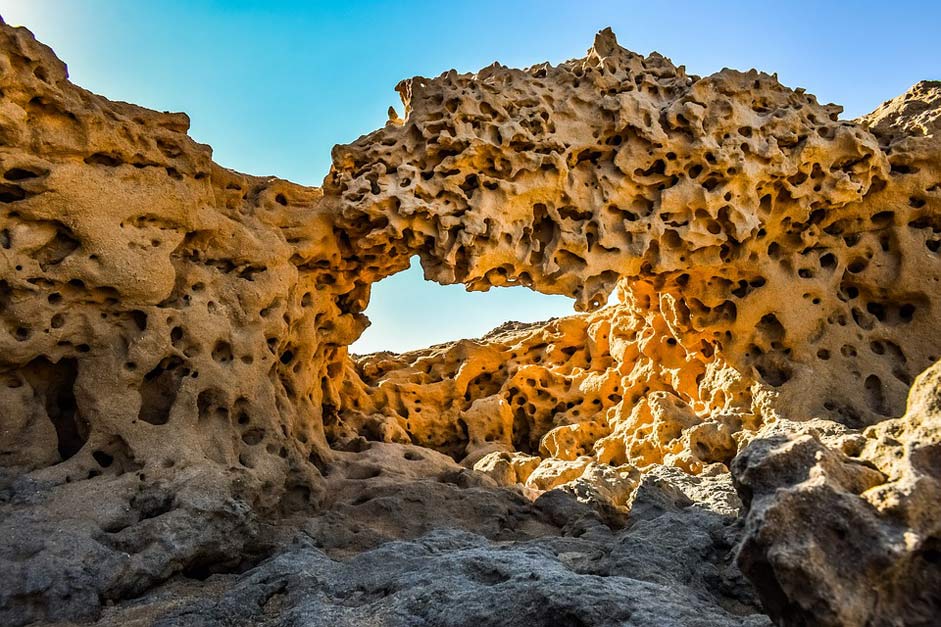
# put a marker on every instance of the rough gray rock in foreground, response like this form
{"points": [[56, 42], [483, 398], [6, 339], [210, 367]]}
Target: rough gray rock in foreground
{"points": [[671, 566]]}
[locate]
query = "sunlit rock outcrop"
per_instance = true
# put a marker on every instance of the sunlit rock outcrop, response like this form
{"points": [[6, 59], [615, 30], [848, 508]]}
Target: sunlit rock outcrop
{"points": [[177, 399]]}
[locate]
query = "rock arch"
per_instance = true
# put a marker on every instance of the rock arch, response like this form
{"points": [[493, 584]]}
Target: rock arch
{"points": [[771, 261]]}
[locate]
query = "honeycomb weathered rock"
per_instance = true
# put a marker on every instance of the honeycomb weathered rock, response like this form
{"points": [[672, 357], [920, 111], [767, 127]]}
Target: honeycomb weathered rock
{"points": [[773, 260], [174, 375]]}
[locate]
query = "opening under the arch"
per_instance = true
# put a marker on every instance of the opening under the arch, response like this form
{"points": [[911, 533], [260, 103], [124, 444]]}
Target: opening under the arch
{"points": [[408, 313]]}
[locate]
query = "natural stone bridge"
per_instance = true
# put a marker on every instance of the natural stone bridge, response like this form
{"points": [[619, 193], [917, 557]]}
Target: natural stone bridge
{"points": [[174, 373]]}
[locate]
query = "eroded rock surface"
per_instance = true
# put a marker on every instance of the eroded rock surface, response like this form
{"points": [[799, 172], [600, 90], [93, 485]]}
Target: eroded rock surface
{"points": [[843, 528], [466, 553], [182, 422]]}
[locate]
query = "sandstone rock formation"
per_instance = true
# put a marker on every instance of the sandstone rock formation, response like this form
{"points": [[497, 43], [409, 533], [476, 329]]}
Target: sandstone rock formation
{"points": [[179, 405]]}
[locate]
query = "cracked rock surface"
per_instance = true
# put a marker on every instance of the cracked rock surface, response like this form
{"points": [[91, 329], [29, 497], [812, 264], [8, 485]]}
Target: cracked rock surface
{"points": [[185, 438]]}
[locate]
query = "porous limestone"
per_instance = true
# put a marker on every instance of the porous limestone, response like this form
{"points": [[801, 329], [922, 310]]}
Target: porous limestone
{"points": [[179, 404]]}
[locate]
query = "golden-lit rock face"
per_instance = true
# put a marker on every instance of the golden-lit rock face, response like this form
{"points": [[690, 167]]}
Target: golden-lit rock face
{"points": [[158, 311], [568, 178], [773, 260], [164, 317]]}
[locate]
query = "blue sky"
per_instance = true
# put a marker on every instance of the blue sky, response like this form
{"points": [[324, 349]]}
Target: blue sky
{"points": [[272, 86]]}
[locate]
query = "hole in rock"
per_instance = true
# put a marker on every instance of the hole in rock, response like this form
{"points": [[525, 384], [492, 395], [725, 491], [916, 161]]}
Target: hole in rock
{"points": [[58, 248], [875, 395], [54, 383], [19, 174], [104, 459], [11, 193], [408, 313], [159, 389]]}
